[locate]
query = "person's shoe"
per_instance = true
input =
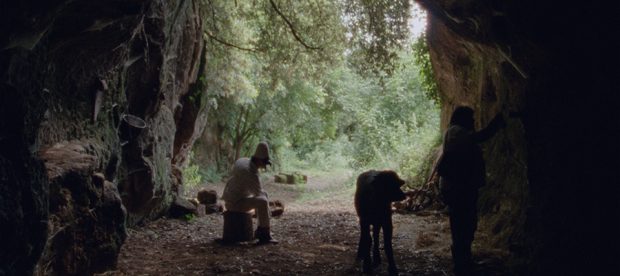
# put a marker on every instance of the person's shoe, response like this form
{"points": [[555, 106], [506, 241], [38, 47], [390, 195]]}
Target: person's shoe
{"points": [[263, 234]]}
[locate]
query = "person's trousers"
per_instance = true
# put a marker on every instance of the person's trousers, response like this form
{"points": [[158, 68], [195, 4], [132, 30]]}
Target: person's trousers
{"points": [[463, 222], [259, 203]]}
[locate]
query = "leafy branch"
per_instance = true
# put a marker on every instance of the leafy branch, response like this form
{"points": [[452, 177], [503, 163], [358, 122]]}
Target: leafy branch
{"points": [[291, 27], [211, 36]]}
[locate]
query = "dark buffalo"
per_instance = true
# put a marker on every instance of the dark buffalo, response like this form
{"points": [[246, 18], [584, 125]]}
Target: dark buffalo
{"points": [[376, 190]]}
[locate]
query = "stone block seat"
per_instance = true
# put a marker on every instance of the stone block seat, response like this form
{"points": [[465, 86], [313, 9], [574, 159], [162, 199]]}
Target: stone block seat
{"points": [[237, 227]]}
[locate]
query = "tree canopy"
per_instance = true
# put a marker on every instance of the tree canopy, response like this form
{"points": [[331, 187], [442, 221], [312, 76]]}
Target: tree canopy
{"points": [[323, 81]]}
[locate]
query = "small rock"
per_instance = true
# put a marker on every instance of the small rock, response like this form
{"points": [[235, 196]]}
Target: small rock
{"points": [[207, 197], [276, 204], [213, 208], [201, 209], [280, 178], [277, 212]]}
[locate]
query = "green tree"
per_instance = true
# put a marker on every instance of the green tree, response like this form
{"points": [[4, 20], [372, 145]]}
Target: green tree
{"points": [[305, 75], [377, 30]]}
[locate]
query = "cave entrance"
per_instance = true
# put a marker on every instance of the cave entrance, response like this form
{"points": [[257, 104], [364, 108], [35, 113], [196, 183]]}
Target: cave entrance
{"points": [[322, 133], [348, 116], [328, 85]]}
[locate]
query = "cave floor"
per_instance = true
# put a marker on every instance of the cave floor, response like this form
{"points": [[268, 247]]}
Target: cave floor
{"points": [[318, 235]]}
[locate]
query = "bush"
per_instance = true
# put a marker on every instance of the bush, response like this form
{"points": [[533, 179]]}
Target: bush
{"points": [[327, 156], [211, 174], [191, 176]]}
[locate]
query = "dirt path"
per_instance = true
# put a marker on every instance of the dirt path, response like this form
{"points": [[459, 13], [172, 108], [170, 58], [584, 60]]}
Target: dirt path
{"points": [[318, 235]]}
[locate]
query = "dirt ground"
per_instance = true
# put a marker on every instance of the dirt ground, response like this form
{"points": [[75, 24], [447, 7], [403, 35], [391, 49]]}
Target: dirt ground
{"points": [[318, 235]]}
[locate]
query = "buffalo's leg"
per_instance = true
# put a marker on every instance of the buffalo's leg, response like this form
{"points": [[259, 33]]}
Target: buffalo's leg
{"points": [[376, 254], [387, 246], [363, 249]]}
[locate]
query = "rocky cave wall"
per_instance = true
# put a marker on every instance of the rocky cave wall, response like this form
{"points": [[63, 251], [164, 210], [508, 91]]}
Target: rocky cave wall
{"points": [[100, 105], [552, 191]]}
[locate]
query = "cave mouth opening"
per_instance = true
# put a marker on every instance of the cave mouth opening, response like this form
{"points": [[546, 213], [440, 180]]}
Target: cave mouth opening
{"points": [[322, 133], [349, 119], [549, 173], [371, 121]]}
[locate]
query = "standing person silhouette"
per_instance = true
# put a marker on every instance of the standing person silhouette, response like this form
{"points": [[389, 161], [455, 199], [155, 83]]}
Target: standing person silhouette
{"points": [[462, 172]]}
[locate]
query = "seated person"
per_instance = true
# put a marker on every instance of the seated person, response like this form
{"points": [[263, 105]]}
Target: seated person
{"points": [[243, 191]]}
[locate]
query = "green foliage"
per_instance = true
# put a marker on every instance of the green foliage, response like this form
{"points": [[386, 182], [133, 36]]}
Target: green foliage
{"points": [[191, 174], [252, 37], [422, 171], [392, 125], [280, 71], [197, 95], [211, 174], [188, 217], [326, 156], [377, 31], [423, 60]]}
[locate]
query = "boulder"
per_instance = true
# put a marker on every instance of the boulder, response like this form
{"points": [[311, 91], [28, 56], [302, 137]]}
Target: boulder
{"points": [[68, 74], [181, 207], [86, 216], [194, 201]]}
